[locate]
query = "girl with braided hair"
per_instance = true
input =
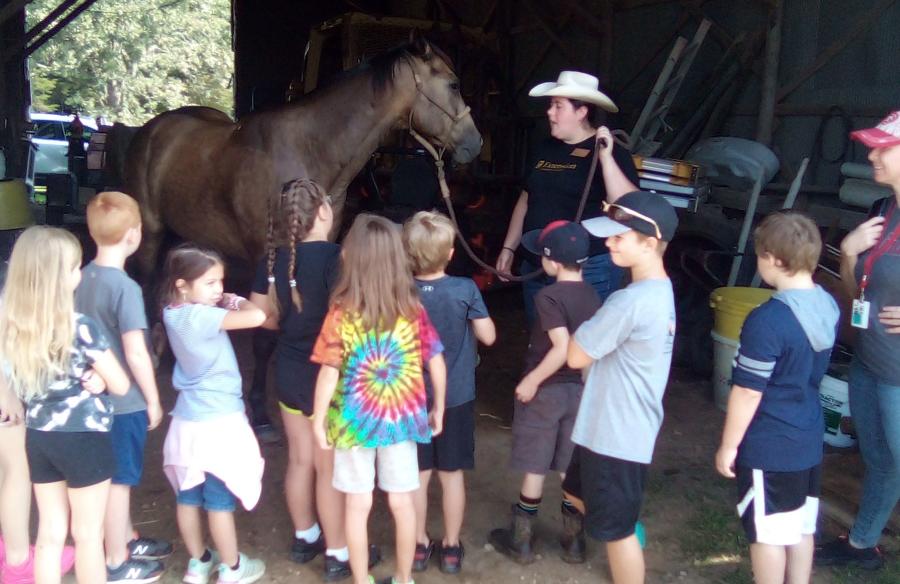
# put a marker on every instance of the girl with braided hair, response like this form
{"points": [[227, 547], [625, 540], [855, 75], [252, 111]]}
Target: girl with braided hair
{"points": [[293, 283]]}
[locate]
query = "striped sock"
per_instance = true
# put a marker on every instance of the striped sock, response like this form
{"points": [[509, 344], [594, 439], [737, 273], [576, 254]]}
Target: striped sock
{"points": [[529, 505], [568, 508]]}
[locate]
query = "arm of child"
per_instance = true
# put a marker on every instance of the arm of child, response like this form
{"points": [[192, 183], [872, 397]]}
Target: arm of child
{"points": [[138, 359], [576, 357], [550, 364], [107, 366], [742, 405], [326, 384], [437, 370], [243, 314], [11, 408], [263, 303], [484, 330]]}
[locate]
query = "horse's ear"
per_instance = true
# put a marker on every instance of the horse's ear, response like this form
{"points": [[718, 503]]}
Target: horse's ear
{"points": [[420, 45]]}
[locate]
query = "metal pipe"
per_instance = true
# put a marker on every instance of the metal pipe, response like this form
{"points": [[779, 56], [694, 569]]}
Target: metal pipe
{"points": [[745, 231]]}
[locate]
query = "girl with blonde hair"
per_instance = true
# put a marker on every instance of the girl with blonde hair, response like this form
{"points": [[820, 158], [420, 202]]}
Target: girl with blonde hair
{"points": [[48, 351], [370, 401]]}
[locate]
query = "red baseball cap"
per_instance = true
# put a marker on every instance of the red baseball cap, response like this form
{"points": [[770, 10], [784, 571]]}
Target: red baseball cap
{"points": [[886, 133]]}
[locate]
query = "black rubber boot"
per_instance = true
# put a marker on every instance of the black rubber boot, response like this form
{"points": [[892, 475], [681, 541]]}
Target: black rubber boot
{"points": [[572, 538], [517, 541]]}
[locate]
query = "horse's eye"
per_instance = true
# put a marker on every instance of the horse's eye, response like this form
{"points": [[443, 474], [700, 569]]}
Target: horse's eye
{"points": [[454, 85]]}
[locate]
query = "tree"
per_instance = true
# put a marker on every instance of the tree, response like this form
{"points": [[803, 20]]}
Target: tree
{"points": [[129, 61]]}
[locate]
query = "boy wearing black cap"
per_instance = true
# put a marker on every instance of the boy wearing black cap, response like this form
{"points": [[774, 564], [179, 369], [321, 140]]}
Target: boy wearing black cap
{"points": [[547, 397], [627, 348]]}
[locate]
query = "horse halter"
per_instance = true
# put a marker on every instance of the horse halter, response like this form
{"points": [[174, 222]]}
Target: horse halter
{"points": [[454, 118]]}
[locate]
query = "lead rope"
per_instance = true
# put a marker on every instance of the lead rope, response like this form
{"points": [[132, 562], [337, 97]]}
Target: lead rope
{"points": [[445, 195]]}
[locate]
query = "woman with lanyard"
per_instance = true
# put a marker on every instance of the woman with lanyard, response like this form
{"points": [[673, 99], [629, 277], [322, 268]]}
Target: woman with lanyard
{"points": [[870, 269], [558, 172]]}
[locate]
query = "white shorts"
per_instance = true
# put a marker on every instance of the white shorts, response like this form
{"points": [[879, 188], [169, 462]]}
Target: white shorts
{"points": [[397, 465], [778, 508]]}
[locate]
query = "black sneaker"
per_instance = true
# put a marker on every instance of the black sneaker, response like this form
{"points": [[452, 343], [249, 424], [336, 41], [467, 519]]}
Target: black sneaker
{"points": [[134, 571], [147, 548], [422, 556], [839, 552], [303, 551], [337, 570], [451, 558]]}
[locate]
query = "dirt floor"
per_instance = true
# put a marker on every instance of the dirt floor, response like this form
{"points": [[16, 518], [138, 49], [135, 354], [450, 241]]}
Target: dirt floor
{"points": [[693, 535]]}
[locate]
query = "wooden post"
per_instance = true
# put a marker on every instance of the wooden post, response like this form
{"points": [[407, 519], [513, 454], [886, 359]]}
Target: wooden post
{"points": [[14, 94], [766, 120]]}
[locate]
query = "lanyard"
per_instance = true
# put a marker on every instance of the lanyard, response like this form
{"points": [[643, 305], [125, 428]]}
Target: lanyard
{"points": [[881, 247]]}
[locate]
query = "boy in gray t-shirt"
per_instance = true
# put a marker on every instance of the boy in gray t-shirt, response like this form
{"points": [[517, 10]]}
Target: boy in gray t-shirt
{"points": [[627, 348]]}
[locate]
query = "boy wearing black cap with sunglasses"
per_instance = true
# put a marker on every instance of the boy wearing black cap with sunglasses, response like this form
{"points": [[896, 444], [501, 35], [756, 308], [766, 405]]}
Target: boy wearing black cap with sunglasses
{"points": [[547, 397], [627, 348]]}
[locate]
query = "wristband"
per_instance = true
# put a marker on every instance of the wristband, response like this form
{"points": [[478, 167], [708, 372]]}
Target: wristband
{"points": [[509, 249]]}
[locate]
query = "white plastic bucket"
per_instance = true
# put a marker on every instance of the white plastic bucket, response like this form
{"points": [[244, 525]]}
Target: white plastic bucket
{"points": [[724, 351], [834, 395]]}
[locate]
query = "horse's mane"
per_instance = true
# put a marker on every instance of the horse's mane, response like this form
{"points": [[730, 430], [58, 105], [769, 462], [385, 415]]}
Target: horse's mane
{"points": [[383, 66]]}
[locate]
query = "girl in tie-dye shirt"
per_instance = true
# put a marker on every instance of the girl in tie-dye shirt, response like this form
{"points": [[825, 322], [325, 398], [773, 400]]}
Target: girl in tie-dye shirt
{"points": [[370, 395]]}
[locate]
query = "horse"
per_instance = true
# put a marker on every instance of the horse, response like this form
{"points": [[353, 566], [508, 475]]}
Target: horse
{"points": [[209, 179]]}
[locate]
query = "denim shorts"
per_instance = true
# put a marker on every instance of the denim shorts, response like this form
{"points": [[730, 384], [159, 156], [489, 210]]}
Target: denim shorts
{"points": [[129, 436], [211, 494]]}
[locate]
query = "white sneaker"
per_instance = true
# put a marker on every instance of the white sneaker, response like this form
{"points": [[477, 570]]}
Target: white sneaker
{"points": [[249, 570], [198, 571]]}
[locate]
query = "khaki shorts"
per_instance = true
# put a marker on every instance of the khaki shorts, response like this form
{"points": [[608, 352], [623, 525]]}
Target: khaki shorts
{"points": [[397, 466]]}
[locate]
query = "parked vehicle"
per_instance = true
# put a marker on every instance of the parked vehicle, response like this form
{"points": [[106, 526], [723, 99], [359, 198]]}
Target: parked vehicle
{"points": [[51, 139]]}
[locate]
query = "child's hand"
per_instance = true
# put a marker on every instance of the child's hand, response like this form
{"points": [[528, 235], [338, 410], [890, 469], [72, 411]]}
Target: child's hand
{"points": [[319, 433], [526, 390], [92, 382], [436, 421], [154, 414], [725, 458], [231, 301], [11, 408]]}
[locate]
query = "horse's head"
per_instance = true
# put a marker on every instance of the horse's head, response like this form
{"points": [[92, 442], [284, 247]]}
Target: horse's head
{"points": [[438, 111]]}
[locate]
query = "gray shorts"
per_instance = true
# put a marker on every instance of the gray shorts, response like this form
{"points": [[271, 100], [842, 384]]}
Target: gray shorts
{"points": [[397, 465], [542, 429]]}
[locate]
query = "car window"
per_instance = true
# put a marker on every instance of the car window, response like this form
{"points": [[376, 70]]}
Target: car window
{"points": [[87, 131], [49, 130]]}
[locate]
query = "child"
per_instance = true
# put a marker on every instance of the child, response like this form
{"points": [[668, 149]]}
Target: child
{"points": [[115, 301], [627, 346], [210, 455], [772, 440], [370, 403], [548, 395], [47, 350], [459, 315], [293, 284]]}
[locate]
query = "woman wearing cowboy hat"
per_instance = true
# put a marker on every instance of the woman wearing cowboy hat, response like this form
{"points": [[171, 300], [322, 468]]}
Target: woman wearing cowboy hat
{"points": [[558, 171]]}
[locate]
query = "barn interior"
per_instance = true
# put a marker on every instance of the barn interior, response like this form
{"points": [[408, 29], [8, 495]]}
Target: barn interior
{"points": [[755, 97]]}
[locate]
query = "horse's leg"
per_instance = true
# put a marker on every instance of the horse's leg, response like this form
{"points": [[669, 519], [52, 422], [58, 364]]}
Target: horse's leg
{"points": [[263, 348]]}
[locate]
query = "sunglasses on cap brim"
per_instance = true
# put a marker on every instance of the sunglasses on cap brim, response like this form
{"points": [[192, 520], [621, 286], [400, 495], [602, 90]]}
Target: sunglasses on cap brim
{"points": [[621, 214]]}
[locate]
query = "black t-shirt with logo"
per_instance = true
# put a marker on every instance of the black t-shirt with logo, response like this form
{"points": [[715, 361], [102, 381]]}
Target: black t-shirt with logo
{"points": [[555, 180]]}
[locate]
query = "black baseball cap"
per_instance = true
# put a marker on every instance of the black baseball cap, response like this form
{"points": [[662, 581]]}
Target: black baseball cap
{"points": [[644, 212], [561, 241]]}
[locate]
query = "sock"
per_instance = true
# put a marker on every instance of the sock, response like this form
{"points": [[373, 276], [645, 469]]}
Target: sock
{"points": [[339, 554], [235, 567], [207, 556], [529, 505], [568, 508], [309, 535]]}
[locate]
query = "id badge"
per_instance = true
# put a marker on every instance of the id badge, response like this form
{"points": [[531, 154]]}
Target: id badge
{"points": [[860, 316]]}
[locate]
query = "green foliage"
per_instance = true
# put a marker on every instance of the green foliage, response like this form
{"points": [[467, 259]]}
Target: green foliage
{"points": [[129, 60]]}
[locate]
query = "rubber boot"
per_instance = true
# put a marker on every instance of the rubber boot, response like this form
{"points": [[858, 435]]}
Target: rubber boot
{"points": [[517, 541], [572, 538]]}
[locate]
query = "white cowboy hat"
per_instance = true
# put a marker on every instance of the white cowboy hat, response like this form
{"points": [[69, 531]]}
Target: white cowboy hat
{"points": [[575, 85]]}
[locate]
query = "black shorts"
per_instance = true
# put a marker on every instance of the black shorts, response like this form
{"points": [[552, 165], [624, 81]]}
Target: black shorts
{"points": [[81, 459], [778, 508], [454, 448], [296, 387], [612, 490]]}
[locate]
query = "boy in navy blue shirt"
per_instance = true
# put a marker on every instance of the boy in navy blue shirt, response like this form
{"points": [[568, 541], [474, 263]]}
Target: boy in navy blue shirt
{"points": [[457, 311], [772, 442]]}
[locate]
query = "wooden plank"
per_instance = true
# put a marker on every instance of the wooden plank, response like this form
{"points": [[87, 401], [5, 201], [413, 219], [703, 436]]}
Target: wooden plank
{"points": [[766, 120], [11, 8], [862, 24], [542, 54], [548, 30]]}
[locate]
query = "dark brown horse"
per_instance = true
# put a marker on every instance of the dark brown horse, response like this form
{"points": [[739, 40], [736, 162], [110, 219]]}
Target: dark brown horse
{"points": [[198, 173]]}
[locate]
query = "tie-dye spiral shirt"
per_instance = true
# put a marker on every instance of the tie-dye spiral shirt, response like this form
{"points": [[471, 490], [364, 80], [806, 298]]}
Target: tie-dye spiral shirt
{"points": [[380, 397]]}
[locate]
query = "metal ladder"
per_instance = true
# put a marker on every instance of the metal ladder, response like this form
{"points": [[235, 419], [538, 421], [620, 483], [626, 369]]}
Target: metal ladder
{"points": [[643, 137]]}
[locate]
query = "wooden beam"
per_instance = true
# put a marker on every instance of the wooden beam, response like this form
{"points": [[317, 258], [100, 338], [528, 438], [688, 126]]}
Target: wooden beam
{"points": [[10, 9], [49, 34], [862, 24], [548, 30], [47, 20], [542, 54], [765, 122]]}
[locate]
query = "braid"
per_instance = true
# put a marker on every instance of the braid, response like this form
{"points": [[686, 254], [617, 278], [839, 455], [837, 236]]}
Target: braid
{"points": [[293, 236], [271, 245]]}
